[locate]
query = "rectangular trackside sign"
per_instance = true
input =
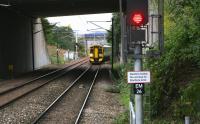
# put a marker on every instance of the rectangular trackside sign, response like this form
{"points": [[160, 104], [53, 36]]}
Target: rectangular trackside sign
{"points": [[139, 77]]}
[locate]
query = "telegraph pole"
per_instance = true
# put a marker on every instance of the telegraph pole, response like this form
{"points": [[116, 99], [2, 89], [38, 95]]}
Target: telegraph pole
{"points": [[57, 49], [57, 45]]}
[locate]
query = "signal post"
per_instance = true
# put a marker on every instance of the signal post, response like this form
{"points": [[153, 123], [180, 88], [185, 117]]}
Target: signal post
{"points": [[137, 18]]}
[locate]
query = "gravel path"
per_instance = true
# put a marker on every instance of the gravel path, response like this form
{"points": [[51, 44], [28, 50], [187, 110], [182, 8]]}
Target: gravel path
{"points": [[102, 106]]}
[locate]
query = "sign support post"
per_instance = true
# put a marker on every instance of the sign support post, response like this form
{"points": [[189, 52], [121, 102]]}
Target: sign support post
{"points": [[138, 78], [137, 19], [138, 97]]}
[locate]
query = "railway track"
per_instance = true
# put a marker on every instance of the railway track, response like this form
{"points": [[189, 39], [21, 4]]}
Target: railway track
{"points": [[12, 94], [87, 96], [68, 106]]}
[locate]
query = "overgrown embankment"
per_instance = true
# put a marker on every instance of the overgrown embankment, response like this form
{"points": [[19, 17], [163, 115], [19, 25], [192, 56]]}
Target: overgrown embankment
{"points": [[176, 75], [52, 50], [120, 79]]}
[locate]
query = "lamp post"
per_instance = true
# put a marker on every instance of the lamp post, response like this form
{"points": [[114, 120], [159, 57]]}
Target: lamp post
{"points": [[57, 46]]}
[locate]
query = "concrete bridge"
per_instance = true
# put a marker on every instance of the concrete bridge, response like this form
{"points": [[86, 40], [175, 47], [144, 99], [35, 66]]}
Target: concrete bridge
{"points": [[22, 42]]}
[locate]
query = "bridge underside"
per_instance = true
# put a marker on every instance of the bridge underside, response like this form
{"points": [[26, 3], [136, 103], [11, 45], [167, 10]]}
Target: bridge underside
{"points": [[20, 47], [62, 7]]}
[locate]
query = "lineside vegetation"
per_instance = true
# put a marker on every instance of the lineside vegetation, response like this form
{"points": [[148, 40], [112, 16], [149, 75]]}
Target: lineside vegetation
{"points": [[176, 74]]}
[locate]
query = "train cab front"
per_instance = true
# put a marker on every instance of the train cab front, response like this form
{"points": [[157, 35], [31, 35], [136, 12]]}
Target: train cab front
{"points": [[96, 60]]}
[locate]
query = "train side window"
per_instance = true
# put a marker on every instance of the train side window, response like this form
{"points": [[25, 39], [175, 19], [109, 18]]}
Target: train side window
{"points": [[91, 50]]}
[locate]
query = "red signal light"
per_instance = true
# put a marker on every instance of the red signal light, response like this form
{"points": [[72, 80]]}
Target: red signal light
{"points": [[137, 19]]}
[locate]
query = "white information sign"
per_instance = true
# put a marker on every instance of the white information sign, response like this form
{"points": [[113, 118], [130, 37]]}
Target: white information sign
{"points": [[139, 77]]}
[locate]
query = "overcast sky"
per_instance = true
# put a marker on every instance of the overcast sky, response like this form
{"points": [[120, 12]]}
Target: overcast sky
{"points": [[79, 22]]}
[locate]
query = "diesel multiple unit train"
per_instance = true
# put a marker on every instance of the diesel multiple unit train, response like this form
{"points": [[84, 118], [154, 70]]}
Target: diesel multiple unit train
{"points": [[99, 54]]}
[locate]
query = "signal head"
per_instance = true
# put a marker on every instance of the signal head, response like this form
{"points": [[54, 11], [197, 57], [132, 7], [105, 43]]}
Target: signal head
{"points": [[137, 19]]}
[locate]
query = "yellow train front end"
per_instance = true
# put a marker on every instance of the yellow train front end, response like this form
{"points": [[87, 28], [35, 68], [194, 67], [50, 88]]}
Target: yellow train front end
{"points": [[96, 54]]}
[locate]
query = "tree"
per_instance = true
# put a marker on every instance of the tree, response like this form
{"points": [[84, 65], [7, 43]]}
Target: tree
{"points": [[61, 36], [64, 37], [47, 27], [117, 33], [182, 45]]}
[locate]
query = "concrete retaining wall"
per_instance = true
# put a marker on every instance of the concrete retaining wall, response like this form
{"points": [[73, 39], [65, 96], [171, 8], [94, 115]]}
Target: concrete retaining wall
{"points": [[41, 56]]}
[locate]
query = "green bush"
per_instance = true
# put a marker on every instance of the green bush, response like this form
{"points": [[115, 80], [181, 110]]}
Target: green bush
{"points": [[122, 84], [120, 71], [54, 60], [122, 118], [172, 76], [190, 100]]}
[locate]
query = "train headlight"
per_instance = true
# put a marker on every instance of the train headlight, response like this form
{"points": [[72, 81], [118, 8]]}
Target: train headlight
{"points": [[100, 59], [91, 55]]}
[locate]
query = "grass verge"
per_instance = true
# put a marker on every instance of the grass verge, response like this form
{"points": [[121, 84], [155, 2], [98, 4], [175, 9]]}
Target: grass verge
{"points": [[120, 78]]}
